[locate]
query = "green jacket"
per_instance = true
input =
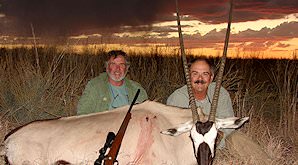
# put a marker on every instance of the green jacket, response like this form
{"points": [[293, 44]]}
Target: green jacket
{"points": [[97, 96]]}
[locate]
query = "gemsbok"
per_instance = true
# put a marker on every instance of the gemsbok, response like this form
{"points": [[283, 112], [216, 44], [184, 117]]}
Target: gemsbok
{"points": [[77, 139]]}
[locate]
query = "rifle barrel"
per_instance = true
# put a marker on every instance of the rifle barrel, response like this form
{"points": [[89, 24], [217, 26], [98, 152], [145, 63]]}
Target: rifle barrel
{"points": [[112, 155]]}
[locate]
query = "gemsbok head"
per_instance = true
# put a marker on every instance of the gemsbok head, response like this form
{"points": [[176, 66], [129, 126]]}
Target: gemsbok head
{"points": [[203, 130]]}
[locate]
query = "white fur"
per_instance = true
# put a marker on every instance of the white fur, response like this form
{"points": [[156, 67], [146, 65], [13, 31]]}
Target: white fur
{"points": [[230, 122], [210, 136], [219, 123], [78, 139]]}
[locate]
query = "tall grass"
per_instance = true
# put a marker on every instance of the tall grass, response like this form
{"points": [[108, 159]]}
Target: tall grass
{"points": [[284, 77], [29, 93], [50, 84]]}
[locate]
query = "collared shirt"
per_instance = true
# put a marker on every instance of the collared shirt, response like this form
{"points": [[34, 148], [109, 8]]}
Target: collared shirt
{"points": [[180, 98], [119, 96], [97, 96]]}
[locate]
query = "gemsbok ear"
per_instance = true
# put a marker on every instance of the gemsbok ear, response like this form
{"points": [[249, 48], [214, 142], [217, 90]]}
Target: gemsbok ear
{"points": [[178, 130], [231, 122]]}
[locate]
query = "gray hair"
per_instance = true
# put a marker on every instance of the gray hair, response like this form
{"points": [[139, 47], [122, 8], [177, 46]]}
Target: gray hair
{"points": [[212, 67]]}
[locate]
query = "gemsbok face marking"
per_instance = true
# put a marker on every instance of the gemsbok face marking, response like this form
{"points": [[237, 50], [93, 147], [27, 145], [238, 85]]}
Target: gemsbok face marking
{"points": [[203, 135]]}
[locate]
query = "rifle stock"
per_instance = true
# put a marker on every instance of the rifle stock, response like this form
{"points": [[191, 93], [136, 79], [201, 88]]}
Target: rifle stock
{"points": [[113, 152]]}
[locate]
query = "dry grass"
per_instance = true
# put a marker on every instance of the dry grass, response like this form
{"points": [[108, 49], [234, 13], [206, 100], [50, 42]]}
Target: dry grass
{"points": [[285, 80], [269, 97]]}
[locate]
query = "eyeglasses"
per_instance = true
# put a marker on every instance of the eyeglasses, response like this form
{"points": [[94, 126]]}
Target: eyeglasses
{"points": [[203, 75], [121, 65]]}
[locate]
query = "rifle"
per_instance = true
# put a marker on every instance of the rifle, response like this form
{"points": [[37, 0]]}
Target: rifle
{"points": [[116, 144], [102, 151]]}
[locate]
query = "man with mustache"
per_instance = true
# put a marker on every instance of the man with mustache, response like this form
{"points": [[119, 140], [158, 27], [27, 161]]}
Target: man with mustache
{"points": [[110, 89], [201, 76]]}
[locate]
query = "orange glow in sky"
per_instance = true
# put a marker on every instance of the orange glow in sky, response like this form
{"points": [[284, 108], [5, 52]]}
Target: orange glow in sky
{"points": [[261, 29]]}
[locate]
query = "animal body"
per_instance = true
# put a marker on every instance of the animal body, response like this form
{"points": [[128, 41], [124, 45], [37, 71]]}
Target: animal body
{"points": [[77, 139]]}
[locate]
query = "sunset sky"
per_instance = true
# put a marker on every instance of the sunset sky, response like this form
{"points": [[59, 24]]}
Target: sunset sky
{"points": [[264, 28]]}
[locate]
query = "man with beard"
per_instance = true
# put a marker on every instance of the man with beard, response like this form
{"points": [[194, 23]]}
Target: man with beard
{"points": [[201, 75], [110, 89]]}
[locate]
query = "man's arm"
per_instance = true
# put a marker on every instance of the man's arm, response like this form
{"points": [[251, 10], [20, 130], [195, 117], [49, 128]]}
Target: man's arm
{"points": [[143, 95], [179, 99], [132, 87], [86, 102], [225, 109]]}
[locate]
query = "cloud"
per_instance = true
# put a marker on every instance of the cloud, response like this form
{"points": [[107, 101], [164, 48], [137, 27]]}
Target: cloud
{"points": [[216, 11], [282, 45], [70, 17], [76, 17], [247, 40]]}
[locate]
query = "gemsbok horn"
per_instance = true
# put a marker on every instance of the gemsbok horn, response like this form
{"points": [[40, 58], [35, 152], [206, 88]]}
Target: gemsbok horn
{"points": [[203, 134]]}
